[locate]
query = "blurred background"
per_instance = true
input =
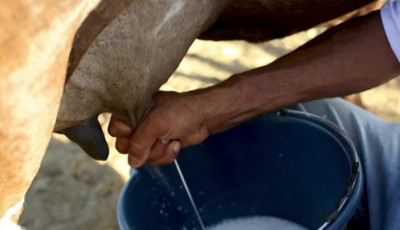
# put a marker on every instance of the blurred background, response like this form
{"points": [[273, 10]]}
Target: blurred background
{"points": [[72, 191]]}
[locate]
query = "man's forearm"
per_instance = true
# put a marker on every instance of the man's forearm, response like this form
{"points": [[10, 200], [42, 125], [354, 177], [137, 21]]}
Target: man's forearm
{"points": [[346, 59]]}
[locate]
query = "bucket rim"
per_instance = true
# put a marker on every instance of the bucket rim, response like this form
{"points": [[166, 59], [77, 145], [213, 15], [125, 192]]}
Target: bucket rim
{"points": [[354, 189]]}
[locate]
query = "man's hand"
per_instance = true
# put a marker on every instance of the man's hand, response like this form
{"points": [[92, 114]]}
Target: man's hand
{"points": [[175, 121]]}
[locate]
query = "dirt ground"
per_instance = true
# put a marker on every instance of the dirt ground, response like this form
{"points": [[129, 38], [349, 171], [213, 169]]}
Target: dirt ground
{"points": [[72, 191]]}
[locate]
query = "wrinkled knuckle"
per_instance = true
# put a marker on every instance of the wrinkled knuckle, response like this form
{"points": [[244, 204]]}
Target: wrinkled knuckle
{"points": [[133, 162], [135, 147], [136, 159]]}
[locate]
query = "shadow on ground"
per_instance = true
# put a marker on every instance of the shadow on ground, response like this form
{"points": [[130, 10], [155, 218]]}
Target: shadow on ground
{"points": [[72, 191]]}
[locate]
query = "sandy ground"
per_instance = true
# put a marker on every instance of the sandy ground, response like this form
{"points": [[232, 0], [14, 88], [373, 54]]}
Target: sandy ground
{"points": [[72, 191]]}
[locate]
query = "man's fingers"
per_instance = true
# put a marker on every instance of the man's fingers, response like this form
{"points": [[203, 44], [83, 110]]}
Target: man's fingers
{"points": [[143, 140], [122, 144], [158, 150], [138, 153], [117, 128], [172, 152], [139, 148]]}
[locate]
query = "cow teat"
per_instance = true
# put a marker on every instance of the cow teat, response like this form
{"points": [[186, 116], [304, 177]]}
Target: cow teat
{"points": [[90, 137]]}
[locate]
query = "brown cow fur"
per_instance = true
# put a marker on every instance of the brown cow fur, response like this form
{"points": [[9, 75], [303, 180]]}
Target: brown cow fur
{"points": [[35, 40], [261, 20], [95, 22]]}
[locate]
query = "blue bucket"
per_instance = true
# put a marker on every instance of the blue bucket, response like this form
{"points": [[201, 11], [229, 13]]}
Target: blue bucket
{"points": [[291, 165]]}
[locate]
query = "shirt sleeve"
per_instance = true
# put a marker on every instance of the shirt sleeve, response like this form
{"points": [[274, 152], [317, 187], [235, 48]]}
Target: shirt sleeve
{"points": [[390, 14]]}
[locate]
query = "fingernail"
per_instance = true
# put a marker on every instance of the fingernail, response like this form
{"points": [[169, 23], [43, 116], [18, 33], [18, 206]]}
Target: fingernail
{"points": [[164, 141], [176, 146]]}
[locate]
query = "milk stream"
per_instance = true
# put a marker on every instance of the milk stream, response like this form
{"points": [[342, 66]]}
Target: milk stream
{"points": [[189, 194]]}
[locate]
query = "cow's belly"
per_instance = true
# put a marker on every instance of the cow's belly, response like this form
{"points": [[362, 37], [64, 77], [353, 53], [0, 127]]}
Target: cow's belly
{"points": [[260, 20]]}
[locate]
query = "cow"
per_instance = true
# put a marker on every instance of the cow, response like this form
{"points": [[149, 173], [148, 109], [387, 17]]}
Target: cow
{"points": [[115, 56], [128, 60]]}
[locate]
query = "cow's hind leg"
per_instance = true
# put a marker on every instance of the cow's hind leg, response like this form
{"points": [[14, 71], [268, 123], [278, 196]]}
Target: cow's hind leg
{"points": [[35, 42]]}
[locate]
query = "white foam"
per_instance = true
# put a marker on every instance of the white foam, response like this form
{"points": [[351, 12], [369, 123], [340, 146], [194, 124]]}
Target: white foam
{"points": [[256, 223]]}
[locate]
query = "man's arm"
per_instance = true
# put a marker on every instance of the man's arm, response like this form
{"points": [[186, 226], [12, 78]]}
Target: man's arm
{"points": [[346, 59]]}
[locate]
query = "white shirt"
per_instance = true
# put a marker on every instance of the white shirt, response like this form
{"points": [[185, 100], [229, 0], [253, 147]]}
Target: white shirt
{"points": [[390, 14]]}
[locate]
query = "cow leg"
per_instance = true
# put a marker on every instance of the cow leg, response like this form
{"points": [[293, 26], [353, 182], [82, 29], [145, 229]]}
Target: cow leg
{"points": [[261, 20], [35, 41]]}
